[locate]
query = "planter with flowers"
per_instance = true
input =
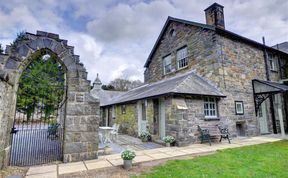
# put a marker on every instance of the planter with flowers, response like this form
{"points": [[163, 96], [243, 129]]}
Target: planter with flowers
{"points": [[128, 156], [145, 137], [168, 140]]}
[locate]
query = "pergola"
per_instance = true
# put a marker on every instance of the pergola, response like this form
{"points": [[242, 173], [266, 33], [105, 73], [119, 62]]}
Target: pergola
{"points": [[265, 89]]}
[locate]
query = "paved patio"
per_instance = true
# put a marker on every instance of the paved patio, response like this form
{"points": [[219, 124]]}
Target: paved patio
{"points": [[53, 171], [128, 142]]}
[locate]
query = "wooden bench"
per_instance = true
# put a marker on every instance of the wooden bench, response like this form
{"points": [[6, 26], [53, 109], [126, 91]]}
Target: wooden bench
{"points": [[207, 133]]}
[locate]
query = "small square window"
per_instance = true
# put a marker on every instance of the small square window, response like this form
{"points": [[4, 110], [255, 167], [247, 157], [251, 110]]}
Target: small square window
{"points": [[123, 108], [239, 107]]}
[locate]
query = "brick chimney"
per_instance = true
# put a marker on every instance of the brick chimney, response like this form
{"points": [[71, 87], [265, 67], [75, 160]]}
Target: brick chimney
{"points": [[215, 15]]}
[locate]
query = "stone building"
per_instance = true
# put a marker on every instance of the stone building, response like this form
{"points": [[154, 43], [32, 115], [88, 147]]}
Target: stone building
{"points": [[203, 74]]}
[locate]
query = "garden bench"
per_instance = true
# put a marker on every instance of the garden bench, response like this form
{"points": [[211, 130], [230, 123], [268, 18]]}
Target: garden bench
{"points": [[208, 133], [224, 133]]}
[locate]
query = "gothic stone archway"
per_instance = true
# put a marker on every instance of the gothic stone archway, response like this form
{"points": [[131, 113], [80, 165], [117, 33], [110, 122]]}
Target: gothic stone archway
{"points": [[82, 110]]}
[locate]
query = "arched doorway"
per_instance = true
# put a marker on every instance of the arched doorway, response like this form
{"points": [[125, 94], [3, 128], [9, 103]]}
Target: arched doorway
{"points": [[75, 110], [37, 132]]}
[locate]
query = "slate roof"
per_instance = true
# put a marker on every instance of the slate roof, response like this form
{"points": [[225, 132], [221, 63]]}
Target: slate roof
{"points": [[282, 46], [105, 96], [189, 84], [261, 86], [225, 32]]}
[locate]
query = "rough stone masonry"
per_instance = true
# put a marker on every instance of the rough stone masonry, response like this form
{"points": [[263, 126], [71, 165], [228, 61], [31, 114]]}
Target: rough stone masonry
{"points": [[82, 110]]}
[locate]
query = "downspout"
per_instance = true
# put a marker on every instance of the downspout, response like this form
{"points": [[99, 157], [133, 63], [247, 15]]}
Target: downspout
{"points": [[270, 97]]}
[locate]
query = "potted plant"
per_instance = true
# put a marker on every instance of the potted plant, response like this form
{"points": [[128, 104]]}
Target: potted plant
{"points": [[128, 156], [168, 140], [145, 137], [107, 150]]}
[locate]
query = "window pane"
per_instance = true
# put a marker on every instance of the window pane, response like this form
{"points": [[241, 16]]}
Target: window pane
{"points": [[210, 107], [167, 64], [182, 57]]}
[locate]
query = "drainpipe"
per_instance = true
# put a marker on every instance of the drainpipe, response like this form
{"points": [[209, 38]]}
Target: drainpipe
{"points": [[270, 97]]}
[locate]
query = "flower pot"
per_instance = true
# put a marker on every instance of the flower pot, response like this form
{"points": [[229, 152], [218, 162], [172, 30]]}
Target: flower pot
{"points": [[168, 144], [127, 164]]}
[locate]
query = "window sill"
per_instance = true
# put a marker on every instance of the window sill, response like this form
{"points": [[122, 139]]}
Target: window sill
{"points": [[212, 119], [178, 69], [274, 71]]}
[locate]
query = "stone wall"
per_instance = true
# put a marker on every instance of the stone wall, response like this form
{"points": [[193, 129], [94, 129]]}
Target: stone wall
{"points": [[5, 122], [227, 63], [201, 52], [82, 110], [128, 121]]}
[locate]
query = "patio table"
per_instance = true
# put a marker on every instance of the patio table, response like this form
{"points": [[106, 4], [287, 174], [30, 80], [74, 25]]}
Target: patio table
{"points": [[107, 131]]}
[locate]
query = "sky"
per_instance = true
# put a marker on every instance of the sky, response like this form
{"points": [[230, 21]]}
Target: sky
{"points": [[115, 37]]}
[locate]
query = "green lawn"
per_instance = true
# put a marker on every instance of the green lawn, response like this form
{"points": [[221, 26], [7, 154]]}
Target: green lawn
{"points": [[265, 160]]}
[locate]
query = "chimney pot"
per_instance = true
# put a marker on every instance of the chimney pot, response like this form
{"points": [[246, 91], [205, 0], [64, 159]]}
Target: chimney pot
{"points": [[215, 15]]}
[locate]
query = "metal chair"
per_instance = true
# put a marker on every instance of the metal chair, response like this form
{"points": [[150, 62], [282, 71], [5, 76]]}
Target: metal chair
{"points": [[114, 132], [224, 133]]}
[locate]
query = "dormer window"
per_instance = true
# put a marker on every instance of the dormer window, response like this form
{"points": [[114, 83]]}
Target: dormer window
{"points": [[167, 64], [182, 58]]}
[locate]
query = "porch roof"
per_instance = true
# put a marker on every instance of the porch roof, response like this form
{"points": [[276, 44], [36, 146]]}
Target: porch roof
{"points": [[264, 87], [189, 83]]}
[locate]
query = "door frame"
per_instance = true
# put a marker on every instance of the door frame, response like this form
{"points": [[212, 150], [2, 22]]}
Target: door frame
{"points": [[162, 126], [140, 120], [264, 117]]}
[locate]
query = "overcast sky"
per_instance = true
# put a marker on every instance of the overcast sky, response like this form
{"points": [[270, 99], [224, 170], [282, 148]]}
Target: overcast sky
{"points": [[114, 38]]}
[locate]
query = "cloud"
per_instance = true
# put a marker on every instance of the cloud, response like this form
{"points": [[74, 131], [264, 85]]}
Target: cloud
{"points": [[117, 36], [129, 23]]}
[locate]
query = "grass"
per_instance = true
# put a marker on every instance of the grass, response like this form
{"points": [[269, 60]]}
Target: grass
{"points": [[261, 161]]}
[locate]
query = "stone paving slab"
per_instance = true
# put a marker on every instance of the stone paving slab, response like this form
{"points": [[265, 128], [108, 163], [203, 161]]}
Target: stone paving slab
{"points": [[71, 167], [157, 156], [42, 170], [116, 162], [176, 153], [97, 164], [43, 175], [142, 158]]}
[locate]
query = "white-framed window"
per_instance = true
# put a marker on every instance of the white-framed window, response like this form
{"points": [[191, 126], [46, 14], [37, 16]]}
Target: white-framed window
{"points": [[210, 107], [167, 67], [272, 62], [239, 107], [182, 57]]}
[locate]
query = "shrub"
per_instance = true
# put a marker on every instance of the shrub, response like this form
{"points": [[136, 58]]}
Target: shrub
{"points": [[145, 136], [169, 139], [128, 155]]}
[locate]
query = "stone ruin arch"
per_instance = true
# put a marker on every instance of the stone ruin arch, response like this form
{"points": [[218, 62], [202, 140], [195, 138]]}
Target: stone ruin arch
{"points": [[82, 110]]}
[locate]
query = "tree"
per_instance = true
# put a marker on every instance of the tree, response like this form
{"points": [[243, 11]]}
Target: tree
{"points": [[1, 49], [125, 84], [41, 85], [108, 87]]}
